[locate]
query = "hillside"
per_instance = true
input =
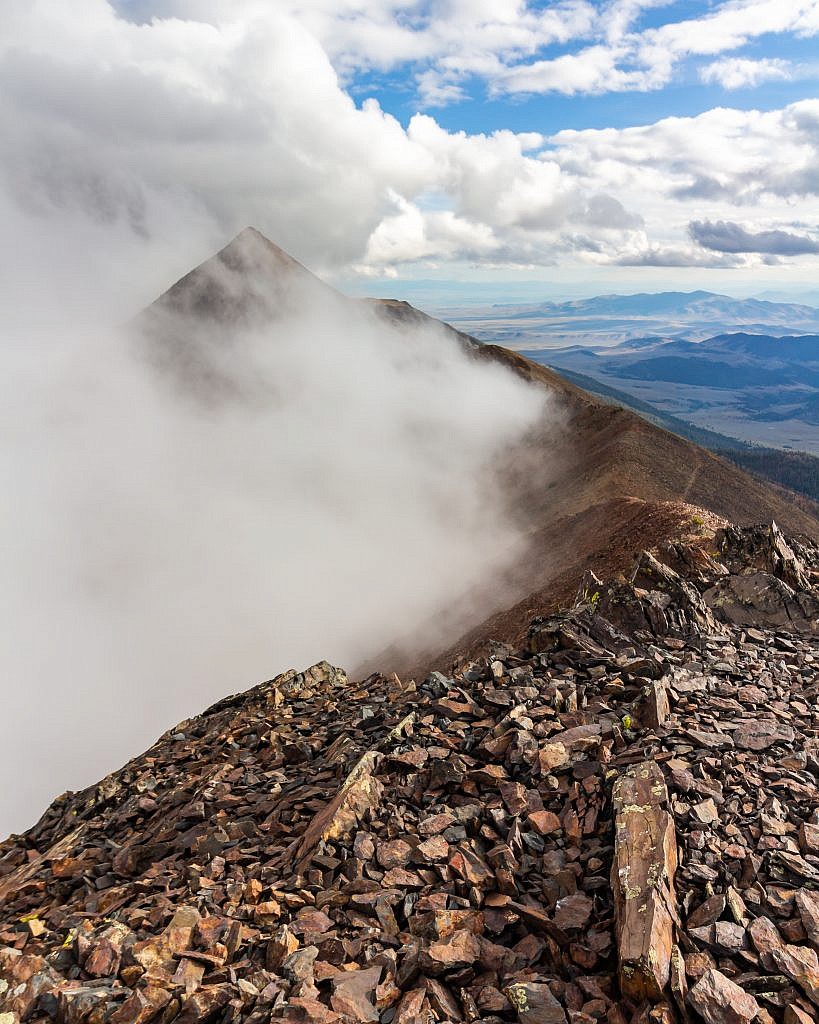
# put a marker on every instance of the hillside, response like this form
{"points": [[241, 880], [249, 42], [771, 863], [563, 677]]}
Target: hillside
{"points": [[611, 484], [796, 471], [615, 820], [589, 493]]}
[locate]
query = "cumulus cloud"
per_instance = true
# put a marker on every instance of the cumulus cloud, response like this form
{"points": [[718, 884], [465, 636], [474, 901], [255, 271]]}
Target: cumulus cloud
{"points": [[212, 124], [729, 237], [741, 73], [448, 44], [615, 57], [207, 116], [732, 156]]}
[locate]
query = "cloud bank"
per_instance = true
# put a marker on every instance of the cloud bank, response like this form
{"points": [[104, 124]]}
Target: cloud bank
{"points": [[161, 133], [726, 236], [166, 545]]}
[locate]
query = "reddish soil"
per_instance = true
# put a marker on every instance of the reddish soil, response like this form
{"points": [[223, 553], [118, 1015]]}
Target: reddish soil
{"points": [[591, 496]]}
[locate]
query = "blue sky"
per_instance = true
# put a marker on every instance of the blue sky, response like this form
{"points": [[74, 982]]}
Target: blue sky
{"points": [[685, 96]]}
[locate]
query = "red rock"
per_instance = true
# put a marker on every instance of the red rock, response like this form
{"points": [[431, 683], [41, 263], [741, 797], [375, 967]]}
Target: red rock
{"points": [[395, 854], [282, 943], [433, 849], [461, 949], [718, 1000], [544, 822], [551, 756], [801, 965], [645, 861], [534, 1003], [807, 903], [141, 1006], [353, 993], [573, 912], [410, 1008]]}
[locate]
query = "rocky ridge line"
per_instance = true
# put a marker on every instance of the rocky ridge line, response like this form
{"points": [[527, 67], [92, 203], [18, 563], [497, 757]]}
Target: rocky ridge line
{"points": [[618, 822]]}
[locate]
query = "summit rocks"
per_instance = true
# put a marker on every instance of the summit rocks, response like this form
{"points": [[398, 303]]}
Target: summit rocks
{"points": [[615, 821]]}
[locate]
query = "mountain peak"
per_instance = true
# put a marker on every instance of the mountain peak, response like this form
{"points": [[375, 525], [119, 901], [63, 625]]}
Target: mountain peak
{"points": [[250, 277], [251, 248]]}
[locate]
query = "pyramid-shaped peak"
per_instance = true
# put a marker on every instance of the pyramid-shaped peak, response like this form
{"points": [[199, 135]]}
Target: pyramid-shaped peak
{"points": [[250, 277], [251, 250]]}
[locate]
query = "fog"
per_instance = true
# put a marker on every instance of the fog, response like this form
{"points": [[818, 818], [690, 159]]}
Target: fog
{"points": [[189, 515]]}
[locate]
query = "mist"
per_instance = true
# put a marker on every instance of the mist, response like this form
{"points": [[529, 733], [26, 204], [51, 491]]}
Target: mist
{"points": [[197, 501]]}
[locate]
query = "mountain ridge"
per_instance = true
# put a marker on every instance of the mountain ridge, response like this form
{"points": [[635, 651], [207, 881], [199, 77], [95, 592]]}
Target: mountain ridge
{"points": [[557, 831], [571, 495]]}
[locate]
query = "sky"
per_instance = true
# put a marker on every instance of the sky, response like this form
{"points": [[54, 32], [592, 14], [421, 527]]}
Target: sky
{"points": [[575, 145]]}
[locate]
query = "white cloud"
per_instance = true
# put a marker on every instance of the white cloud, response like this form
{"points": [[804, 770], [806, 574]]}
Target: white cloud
{"points": [[160, 551], [156, 140], [740, 73]]}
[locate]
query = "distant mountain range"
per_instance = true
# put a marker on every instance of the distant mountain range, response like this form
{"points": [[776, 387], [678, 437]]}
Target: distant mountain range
{"points": [[612, 319], [745, 368], [696, 306]]}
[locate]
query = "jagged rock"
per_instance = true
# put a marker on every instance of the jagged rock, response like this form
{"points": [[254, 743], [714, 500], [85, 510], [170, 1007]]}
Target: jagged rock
{"points": [[141, 1006], [321, 850], [535, 1004], [763, 599], [642, 877], [801, 965], [353, 993], [718, 1000], [760, 735], [808, 904]]}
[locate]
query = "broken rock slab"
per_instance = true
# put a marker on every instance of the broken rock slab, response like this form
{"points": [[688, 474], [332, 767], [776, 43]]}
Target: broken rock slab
{"points": [[642, 878], [718, 1000]]}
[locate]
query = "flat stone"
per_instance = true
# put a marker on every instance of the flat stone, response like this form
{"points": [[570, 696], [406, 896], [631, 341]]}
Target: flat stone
{"points": [[718, 1000]]}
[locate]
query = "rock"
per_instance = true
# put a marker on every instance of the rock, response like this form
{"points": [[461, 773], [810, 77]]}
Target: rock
{"points": [[705, 812], [766, 939], [760, 735], [645, 861], [573, 912], [707, 912], [801, 965], [552, 756], [807, 903], [544, 822], [359, 794], [353, 993], [796, 1015], [410, 1007], [141, 1006], [279, 947], [809, 837], [656, 707], [718, 1000], [534, 1003], [461, 949]]}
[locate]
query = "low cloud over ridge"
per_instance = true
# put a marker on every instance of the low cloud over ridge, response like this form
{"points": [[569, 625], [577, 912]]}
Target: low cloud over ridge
{"points": [[332, 489]]}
